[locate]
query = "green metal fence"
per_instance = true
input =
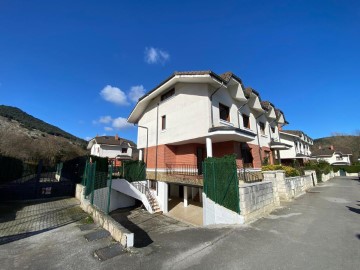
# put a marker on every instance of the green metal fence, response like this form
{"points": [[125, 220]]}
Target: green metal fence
{"points": [[134, 170], [221, 183], [98, 186]]}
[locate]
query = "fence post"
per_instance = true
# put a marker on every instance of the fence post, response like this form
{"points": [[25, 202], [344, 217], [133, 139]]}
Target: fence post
{"points": [[237, 189], [93, 175], [109, 193]]}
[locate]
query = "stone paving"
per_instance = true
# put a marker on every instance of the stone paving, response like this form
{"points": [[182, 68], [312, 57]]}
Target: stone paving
{"points": [[23, 219]]}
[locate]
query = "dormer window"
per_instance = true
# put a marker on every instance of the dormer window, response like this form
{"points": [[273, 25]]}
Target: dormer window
{"points": [[224, 112], [273, 129], [246, 121], [168, 94], [124, 150], [262, 128]]}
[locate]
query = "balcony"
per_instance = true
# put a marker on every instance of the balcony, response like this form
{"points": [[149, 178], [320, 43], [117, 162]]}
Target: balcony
{"points": [[228, 133]]}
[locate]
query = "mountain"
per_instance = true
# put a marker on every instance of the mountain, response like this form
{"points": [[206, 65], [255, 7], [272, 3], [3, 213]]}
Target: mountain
{"points": [[24, 136], [351, 142]]}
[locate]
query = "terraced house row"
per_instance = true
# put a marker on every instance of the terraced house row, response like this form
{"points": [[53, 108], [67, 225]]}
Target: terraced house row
{"points": [[198, 114]]}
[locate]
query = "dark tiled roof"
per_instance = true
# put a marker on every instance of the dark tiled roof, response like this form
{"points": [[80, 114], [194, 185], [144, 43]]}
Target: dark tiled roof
{"points": [[201, 72], [111, 140], [327, 151], [228, 75], [266, 105], [249, 90], [295, 132]]}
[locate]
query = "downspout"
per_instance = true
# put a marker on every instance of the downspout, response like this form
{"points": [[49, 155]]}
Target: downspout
{"points": [[239, 111], [147, 140], [257, 132], [211, 109], [157, 139]]}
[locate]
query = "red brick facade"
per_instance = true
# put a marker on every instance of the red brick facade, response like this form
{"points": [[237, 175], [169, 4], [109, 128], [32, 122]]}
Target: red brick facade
{"points": [[187, 154]]}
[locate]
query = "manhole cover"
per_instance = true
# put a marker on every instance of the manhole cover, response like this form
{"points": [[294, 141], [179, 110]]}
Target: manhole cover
{"points": [[99, 234], [109, 252]]}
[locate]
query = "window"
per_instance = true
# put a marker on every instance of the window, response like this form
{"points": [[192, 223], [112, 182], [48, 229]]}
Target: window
{"points": [[224, 112], [246, 121], [262, 128], [124, 150], [273, 129], [163, 122], [168, 94]]}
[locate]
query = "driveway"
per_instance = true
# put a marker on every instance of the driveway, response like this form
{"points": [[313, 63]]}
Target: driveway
{"points": [[320, 230]]}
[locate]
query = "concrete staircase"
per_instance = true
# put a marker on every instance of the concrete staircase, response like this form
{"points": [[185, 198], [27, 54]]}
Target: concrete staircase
{"points": [[153, 203]]}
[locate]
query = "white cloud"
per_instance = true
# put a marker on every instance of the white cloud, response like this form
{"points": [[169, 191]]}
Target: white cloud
{"points": [[108, 128], [120, 122], [114, 95], [136, 92], [105, 119], [88, 138], [155, 56]]}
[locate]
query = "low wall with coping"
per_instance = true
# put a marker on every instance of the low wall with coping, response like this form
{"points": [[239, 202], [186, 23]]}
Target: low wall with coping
{"points": [[327, 177], [289, 188], [118, 232], [257, 200]]}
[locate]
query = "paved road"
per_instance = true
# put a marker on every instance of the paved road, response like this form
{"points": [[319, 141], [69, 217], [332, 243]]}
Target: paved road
{"points": [[320, 230]]}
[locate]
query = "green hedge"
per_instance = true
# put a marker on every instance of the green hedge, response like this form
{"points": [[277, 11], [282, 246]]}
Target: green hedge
{"points": [[10, 168], [320, 167], [348, 169], [134, 170], [289, 171]]}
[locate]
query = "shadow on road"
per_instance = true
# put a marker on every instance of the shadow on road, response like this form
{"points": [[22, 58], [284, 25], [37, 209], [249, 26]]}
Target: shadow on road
{"points": [[353, 209]]}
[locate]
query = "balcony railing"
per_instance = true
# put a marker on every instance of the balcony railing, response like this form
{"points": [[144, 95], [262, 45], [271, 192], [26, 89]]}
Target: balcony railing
{"points": [[247, 176], [182, 169]]}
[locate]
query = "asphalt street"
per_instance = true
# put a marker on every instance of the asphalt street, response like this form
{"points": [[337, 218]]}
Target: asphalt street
{"points": [[319, 230]]}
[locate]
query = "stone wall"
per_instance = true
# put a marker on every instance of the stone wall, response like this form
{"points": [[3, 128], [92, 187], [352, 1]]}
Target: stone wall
{"points": [[118, 232], [327, 177], [288, 188], [257, 200]]}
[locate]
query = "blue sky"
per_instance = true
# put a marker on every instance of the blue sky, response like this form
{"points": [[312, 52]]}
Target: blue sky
{"points": [[80, 64]]}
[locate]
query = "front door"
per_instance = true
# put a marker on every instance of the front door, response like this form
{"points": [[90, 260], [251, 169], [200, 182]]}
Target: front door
{"points": [[200, 159]]}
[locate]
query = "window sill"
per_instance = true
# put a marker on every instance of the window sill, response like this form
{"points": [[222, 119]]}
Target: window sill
{"points": [[226, 123], [265, 136], [248, 129], [163, 130]]}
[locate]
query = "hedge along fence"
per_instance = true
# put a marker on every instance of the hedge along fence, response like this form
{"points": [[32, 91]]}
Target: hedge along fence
{"points": [[289, 171], [11, 169], [221, 183], [134, 170], [320, 167], [348, 169]]}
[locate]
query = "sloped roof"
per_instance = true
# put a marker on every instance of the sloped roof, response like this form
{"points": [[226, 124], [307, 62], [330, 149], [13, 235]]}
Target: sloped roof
{"points": [[266, 105], [296, 132], [327, 151], [111, 140]]}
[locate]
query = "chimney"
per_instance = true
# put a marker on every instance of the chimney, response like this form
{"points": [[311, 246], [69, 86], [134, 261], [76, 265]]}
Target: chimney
{"points": [[280, 127], [116, 137], [319, 146], [331, 147]]}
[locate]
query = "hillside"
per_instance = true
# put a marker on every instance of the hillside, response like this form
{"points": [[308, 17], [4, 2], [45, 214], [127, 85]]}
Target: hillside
{"points": [[351, 142], [29, 122], [24, 136]]}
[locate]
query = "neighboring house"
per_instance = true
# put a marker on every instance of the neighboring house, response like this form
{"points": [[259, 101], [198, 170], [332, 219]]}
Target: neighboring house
{"points": [[300, 149], [333, 155], [198, 114], [112, 147]]}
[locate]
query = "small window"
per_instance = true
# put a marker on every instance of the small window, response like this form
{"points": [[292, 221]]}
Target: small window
{"points": [[124, 150], [168, 94], [224, 112], [273, 129], [246, 121], [262, 128], [163, 122], [152, 184]]}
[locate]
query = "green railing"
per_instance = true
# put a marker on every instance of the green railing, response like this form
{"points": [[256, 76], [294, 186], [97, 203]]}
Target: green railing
{"points": [[98, 186], [221, 183]]}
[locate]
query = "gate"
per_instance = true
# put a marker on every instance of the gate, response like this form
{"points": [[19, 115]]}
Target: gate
{"points": [[342, 172], [221, 183], [34, 180]]}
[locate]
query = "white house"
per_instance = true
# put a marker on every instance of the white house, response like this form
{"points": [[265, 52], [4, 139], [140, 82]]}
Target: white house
{"points": [[198, 114], [112, 147], [300, 146], [333, 155]]}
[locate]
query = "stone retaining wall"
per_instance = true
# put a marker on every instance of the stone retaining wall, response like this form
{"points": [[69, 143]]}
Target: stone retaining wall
{"points": [[257, 200], [118, 232]]}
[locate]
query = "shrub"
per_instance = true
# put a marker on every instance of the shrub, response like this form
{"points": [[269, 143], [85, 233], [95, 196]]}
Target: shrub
{"points": [[348, 169], [289, 171], [320, 167]]}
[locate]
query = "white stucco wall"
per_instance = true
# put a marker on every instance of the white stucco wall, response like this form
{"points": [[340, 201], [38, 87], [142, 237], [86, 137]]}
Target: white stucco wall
{"points": [[110, 151], [335, 158], [187, 116]]}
